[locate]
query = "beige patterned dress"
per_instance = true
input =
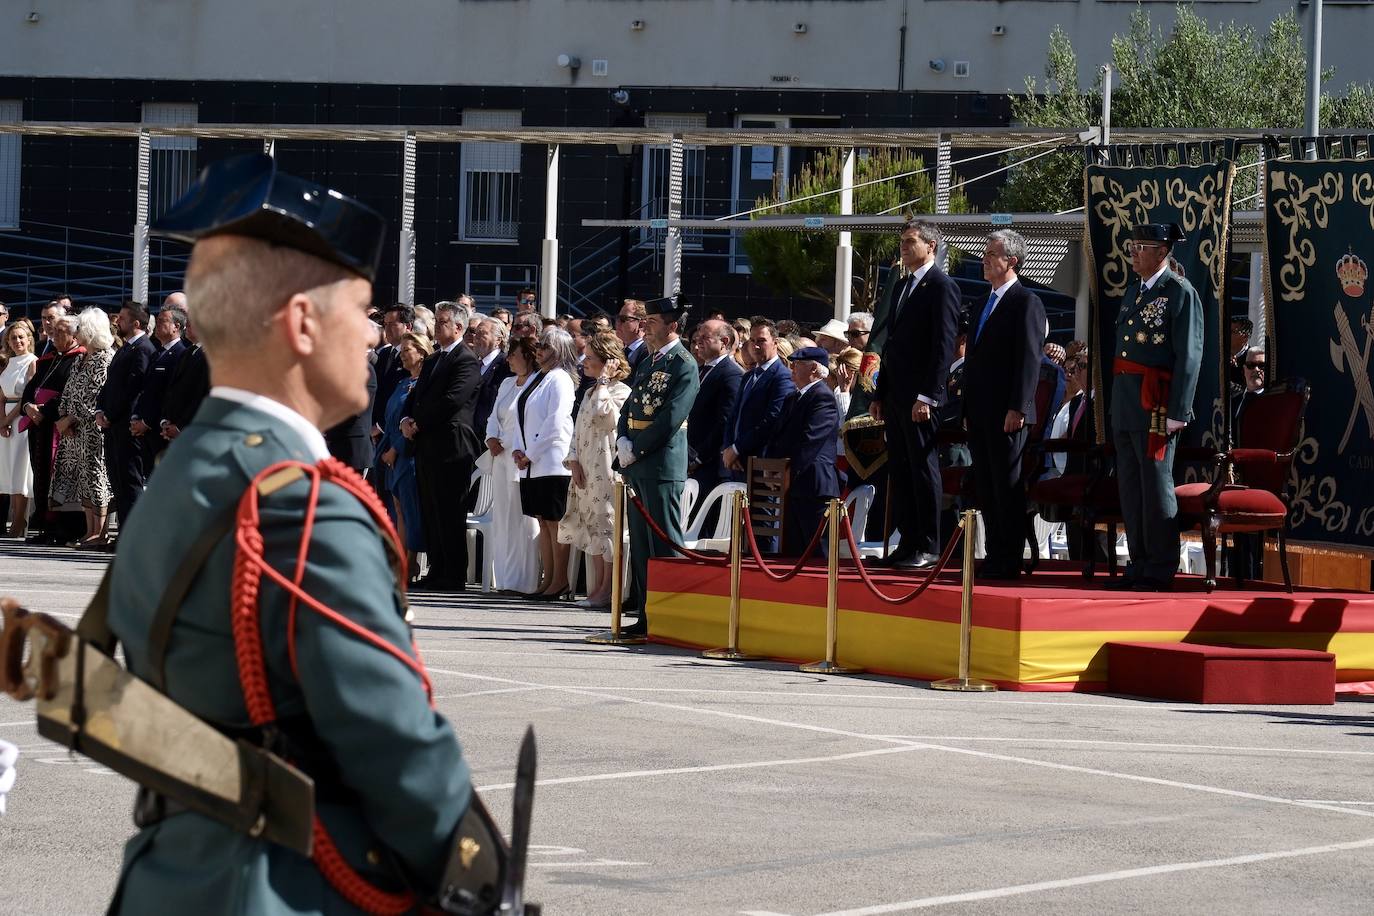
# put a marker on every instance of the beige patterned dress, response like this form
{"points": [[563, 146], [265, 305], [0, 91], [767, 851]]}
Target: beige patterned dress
{"points": [[78, 473], [588, 522]]}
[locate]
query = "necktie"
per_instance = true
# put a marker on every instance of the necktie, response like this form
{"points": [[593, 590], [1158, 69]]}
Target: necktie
{"points": [[703, 372], [657, 357], [908, 286], [983, 319], [1078, 414]]}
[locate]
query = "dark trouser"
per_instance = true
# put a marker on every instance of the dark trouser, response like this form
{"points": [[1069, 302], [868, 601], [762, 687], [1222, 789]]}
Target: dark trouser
{"points": [[913, 464], [663, 499], [1246, 555], [40, 459], [1001, 496], [152, 445], [124, 462], [443, 489], [804, 515], [1148, 505]]}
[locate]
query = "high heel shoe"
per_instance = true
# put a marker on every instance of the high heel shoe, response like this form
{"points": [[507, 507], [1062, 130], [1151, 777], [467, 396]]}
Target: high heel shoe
{"points": [[555, 596]]}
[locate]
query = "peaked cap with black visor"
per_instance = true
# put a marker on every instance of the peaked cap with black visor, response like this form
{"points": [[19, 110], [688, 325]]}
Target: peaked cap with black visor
{"points": [[672, 308], [247, 195]]}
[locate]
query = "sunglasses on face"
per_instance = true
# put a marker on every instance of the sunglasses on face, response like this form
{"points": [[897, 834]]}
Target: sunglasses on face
{"points": [[1259, 367], [852, 334], [626, 318]]}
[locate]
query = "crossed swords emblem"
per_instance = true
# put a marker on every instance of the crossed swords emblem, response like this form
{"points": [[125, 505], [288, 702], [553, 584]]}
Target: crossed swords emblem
{"points": [[1345, 353]]}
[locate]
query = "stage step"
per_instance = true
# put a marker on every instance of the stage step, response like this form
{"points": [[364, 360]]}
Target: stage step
{"points": [[1194, 673]]}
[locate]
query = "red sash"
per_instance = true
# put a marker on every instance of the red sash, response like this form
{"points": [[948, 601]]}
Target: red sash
{"points": [[1154, 400]]}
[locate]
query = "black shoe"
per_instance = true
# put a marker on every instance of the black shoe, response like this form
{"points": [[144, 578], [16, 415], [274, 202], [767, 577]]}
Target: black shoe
{"points": [[996, 573], [546, 596], [1122, 584], [639, 628], [1149, 584], [898, 557]]}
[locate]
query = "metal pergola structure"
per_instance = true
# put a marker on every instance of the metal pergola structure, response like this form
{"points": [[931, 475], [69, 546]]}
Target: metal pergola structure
{"points": [[1062, 229]]}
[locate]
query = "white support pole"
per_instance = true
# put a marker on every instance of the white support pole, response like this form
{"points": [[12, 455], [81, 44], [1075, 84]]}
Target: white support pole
{"points": [[844, 251], [142, 179], [548, 271], [672, 242], [944, 177], [405, 281], [1083, 300]]}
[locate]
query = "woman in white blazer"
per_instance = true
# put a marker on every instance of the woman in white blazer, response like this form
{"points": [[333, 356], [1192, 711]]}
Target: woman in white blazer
{"points": [[546, 431], [513, 542]]}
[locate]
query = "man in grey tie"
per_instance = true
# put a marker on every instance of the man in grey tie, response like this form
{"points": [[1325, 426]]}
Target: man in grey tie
{"points": [[914, 367]]}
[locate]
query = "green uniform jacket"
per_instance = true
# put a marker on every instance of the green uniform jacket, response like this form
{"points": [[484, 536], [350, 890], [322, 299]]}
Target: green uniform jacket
{"points": [[662, 395], [1163, 330], [402, 784]]}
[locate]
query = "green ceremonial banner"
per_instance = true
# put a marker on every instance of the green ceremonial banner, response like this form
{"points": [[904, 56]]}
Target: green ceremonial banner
{"points": [[1318, 245], [1198, 198]]}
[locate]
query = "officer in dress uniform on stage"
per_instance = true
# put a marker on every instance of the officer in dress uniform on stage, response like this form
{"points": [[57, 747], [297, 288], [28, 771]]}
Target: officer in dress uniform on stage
{"points": [[1155, 362], [651, 444], [339, 692]]}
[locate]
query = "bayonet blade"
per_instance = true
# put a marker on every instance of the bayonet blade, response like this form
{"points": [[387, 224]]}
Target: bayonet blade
{"points": [[513, 898]]}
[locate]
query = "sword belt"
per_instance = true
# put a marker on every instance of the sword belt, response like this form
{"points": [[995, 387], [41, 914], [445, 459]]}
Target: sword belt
{"points": [[1154, 400]]}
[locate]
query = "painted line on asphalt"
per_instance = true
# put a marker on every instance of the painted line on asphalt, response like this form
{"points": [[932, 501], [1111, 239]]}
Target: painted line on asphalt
{"points": [[712, 768], [487, 693], [27, 722], [968, 752], [1142, 745], [1100, 878]]}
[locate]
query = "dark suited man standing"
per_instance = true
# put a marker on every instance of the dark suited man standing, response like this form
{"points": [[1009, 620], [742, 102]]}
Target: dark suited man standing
{"points": [[1001, 371], [147, 409], [629, 327], [190, 385], [114, 406], [438, 422], [916, 356], [761, 394], [486, 338], [807, 437], [350, 440], [719, 377]]}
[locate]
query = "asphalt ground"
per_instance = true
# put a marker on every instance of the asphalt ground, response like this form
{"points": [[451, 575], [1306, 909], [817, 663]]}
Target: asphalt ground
{"points": [[671, 784]]}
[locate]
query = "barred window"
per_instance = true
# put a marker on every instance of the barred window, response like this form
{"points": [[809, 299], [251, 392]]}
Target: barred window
{"points": [[11, 112], [489, 198], [172, 160]]}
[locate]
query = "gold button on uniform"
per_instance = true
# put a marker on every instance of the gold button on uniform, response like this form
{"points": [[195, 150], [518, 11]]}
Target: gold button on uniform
{"points": [[252, 440], [1123, 352]]}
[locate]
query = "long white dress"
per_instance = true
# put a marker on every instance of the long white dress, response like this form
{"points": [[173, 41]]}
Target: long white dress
{"points": [[514, 543], [16, 474]]}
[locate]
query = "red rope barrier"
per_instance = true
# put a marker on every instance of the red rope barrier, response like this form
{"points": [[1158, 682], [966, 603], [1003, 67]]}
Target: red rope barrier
{"points": [[790, 574], [930, 576], [663, 536]]}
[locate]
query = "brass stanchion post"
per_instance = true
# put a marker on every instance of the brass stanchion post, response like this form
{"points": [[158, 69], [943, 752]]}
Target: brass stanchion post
{"points": [[963, 682], [834, 514], [614, 637], [731, 651]]}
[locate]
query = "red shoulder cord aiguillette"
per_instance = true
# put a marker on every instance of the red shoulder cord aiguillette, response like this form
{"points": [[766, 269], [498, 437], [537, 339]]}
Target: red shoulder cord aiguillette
{"points": [[249, 567]]}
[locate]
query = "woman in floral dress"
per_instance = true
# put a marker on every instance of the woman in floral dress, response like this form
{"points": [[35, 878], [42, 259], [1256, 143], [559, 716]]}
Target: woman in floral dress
{"points": [[79, 474], [589, 522]]}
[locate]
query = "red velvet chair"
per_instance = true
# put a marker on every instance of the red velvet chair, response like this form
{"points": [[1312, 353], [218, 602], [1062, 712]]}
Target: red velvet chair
{"points": [[1249, 488]]}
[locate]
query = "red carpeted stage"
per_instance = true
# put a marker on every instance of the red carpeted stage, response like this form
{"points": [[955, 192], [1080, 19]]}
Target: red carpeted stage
{"points": [[1047, 632]]}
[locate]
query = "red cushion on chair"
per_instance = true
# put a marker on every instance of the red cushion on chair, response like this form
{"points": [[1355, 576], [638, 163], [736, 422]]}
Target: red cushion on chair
{"points": [[1241, 508]]}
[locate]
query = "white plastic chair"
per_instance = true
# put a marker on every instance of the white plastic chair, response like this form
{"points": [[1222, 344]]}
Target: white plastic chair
{"points": [[479, 522], [719, 538], [857, 504], [691, 488]]}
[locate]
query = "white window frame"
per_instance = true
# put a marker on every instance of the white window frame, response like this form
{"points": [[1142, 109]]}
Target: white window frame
{"points": [[11, 164], [657, 163], [492, 159], [172, 160], [739, 261]]}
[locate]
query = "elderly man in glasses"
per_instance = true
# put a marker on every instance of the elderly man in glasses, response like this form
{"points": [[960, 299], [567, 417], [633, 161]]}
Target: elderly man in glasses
{"points": [[1156, 355]]}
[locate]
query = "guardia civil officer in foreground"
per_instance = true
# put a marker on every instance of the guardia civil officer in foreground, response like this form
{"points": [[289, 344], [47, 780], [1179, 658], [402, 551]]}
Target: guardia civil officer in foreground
{"points": [[651, 444], [1156, 358], [324, 672]]}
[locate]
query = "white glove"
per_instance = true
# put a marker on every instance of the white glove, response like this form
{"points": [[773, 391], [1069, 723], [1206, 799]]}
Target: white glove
{"points": [[8, 755], [625, 450]]}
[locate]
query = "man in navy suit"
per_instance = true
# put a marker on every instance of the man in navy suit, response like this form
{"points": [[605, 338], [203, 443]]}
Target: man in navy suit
{"points": [[917, 353], [1001, 372], [720, 378], [114, 405], [807, 437], [146, 412], [761, 394], [438, 422], [629, 327], [486, 338]]}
